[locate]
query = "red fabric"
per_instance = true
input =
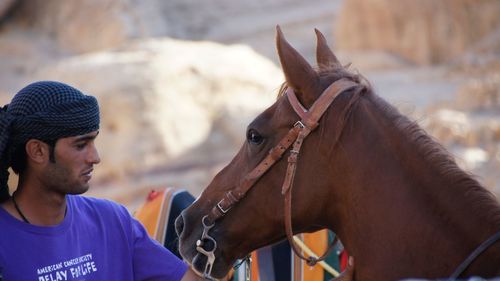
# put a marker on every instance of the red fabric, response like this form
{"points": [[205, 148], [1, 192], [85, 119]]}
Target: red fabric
{"points": [[343, 257]]}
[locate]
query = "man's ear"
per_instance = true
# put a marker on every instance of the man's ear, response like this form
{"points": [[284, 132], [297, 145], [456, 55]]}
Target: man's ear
{"points": [[37, 151]]}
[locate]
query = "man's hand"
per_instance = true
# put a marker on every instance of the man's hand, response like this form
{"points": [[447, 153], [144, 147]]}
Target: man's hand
{"points": [[348, 273]]}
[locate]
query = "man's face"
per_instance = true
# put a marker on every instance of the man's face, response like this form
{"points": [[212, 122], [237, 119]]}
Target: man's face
{"points": [[73, 166]]}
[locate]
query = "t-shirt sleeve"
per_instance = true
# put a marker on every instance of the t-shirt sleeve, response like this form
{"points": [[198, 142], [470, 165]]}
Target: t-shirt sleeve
{"points": [[152, 261]]}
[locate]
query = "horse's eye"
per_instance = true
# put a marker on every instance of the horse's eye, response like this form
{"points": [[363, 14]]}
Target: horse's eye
{"points": [[253, 137]]}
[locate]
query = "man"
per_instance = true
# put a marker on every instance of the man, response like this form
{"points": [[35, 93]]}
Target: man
{"points": [[48, 232]]}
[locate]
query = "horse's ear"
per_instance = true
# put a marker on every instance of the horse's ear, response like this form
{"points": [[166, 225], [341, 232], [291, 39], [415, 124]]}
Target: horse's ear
{"points": [[324, 55], [298, 72]]}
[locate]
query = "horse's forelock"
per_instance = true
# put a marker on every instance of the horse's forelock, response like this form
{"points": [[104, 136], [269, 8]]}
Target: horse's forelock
{"points": [[333, 74]]}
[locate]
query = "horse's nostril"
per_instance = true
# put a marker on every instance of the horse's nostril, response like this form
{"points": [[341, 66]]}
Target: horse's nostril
{"points": [[207, 244], [179, 225]]}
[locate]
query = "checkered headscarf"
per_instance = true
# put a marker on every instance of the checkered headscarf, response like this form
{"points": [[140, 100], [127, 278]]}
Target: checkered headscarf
{"points": [[46, 111]]}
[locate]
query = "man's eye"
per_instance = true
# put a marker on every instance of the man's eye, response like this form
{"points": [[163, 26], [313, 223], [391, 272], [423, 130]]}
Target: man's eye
{"points": [[80, 145], [253, 137]]}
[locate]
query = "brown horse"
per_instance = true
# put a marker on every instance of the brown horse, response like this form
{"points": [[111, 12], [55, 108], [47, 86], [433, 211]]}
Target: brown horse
{"points": [[395, 197]]}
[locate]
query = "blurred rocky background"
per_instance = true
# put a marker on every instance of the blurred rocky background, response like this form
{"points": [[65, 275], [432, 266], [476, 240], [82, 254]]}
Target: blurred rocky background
{"points": [[179, 80]]}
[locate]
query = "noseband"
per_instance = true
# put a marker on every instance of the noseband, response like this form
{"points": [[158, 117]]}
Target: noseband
{"points": [[296, 135]]}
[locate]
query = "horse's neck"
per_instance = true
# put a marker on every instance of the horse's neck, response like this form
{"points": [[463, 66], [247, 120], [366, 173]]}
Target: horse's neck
{"points": [[402, 202]]}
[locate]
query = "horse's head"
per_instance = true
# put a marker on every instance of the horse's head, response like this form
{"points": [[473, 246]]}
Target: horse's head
{"points": [[243, 207]]}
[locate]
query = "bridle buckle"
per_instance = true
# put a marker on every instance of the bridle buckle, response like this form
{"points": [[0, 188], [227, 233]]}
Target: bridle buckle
{"points": [[219, 206], [299, 124]]}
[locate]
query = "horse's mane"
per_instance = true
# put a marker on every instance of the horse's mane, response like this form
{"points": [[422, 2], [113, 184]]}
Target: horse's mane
{"points": [[439, 158]]}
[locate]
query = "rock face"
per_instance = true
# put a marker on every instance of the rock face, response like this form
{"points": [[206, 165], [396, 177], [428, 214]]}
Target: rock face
{"points": [[423, 32], [161, 98]]}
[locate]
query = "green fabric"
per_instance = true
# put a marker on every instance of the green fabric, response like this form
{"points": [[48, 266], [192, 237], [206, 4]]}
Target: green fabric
{"points": [[333, 258]]}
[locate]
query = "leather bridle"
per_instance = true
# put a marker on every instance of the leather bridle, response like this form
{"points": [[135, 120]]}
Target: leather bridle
{"points": [[296, 135]]}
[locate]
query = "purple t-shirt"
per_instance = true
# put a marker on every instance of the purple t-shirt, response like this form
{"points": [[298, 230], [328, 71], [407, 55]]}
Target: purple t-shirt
{"points": [[97, 240]]}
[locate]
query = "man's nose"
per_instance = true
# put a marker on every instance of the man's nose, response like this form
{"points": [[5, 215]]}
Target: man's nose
{"points": [[94, 155]]}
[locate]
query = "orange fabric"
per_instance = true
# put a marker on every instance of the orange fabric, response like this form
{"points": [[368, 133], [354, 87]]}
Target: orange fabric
{"points": [[255, 267], [149, 213], [318, 243]]}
